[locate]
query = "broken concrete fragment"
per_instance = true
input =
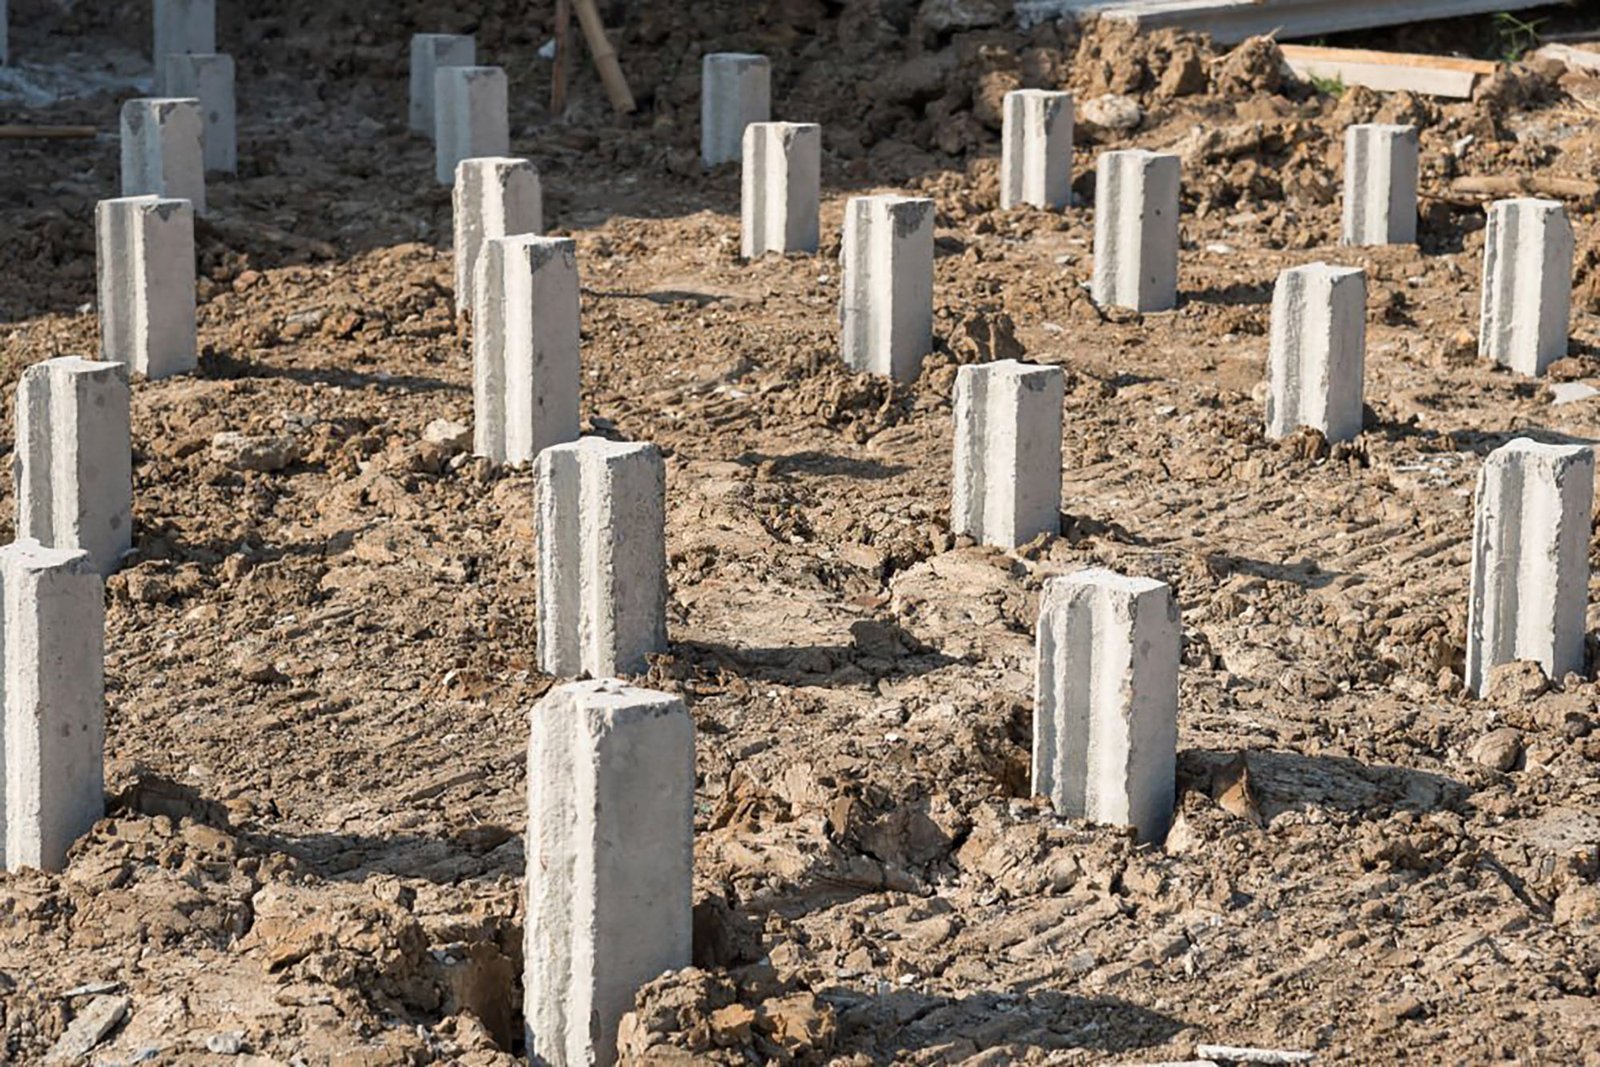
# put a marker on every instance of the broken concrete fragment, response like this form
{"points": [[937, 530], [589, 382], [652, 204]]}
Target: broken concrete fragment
{"points": [[88, 1028], [1112, 112], [254, 452], [451, 435]]}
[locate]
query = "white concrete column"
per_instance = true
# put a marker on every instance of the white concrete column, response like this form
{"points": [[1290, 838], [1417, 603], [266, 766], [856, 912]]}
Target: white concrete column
{"points": [[1036, 149], [780, 187], [53, 743], [181, 26], [1007, 486], [735, 90], [493, 197], [525, 378], [1136, 230], [601, 532], [1380, 185], [1318, 351], [429, 52], [470, 117], [1530, 559], [610, 852], [887, 294], [74, 459], [209, 79], [1105, 717], [145, 262], [161, 150], [1527, 284]]}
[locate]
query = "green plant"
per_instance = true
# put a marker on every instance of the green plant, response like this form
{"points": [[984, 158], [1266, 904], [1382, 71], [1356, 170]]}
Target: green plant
{"points": [[1516, 37], [1332, 86]]}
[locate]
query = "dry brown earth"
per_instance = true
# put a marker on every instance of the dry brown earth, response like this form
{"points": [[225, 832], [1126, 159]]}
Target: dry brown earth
{"points": [[318, 673]]}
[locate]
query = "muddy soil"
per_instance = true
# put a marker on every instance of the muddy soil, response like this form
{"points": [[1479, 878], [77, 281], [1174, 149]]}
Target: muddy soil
{"points": [[321, 656]]}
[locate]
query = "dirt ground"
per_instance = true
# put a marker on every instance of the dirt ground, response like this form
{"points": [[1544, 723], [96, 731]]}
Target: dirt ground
{"points": [[320, 659]]}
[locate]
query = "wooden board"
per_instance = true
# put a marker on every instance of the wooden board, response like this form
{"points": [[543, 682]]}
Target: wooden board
{"points": [[1389, 71]]}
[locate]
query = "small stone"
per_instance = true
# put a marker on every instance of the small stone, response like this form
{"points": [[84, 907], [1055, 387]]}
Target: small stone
{"points": [[1111, 112], [1498, 750], [1516, 682], [452, 436], [254, 452], [260, 671], [1571, 392], [227, 1043]]}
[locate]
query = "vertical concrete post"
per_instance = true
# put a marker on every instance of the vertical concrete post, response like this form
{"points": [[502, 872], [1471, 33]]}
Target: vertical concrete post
{"points": [[1318, 351], [780, 188], [145, 261], [1527, 284], [1530, 559], [610, 852], [1036, 149], [1136, 230], [181, 27], [1380, 185], [493, 197], [429, 52], [53, 743], [161, 150], [1105, 718], [602, 556], [1007, 486], [735, 90], [470, 118], [887, 294], [74, 461], [525, 378], [209, 79]]}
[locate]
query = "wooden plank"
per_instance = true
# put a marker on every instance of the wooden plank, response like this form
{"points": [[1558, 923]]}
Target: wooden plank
{"points": [[1389, 71], [1231, 21]]}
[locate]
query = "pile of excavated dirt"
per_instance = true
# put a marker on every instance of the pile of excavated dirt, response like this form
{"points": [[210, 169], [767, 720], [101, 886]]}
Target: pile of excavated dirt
{"points": [[319, 661]]}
